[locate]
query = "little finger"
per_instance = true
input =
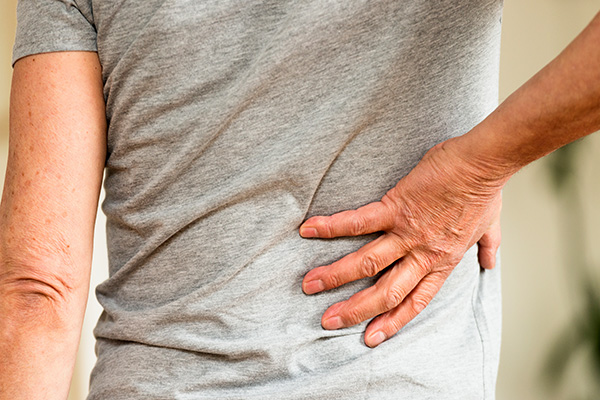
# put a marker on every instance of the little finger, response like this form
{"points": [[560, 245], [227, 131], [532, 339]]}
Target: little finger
{"points": [[388, 324]]}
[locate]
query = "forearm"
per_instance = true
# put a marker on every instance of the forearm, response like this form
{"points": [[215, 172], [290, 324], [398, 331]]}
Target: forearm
{"points": [[40, 326], [57, 149], [558, 105], [451, 199]]}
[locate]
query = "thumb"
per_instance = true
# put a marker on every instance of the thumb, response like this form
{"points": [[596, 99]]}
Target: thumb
{"points": [[488, 245]]}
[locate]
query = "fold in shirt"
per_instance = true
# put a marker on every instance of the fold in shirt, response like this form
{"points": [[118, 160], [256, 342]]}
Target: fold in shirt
{"points": [[232, 122]]}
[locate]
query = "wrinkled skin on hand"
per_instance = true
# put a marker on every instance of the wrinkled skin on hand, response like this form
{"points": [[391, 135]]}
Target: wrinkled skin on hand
{"points": [[429, 220]]}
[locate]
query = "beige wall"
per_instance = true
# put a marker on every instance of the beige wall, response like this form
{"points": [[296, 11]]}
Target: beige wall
{"points": [[7, 27], [539, 295]]}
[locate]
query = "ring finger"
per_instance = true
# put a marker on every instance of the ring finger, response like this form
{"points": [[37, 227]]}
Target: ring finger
{"points": [[389, 291]]}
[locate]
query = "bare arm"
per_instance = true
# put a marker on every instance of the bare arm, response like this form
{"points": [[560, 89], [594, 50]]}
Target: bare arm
{"points": [[560, 104], [57, 149], [451, 199]]}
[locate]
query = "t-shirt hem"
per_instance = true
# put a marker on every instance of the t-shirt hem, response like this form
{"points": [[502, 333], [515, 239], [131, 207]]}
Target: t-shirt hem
{"points": [[27, 49]]}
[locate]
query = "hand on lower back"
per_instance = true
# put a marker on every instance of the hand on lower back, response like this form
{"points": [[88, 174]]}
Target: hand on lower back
{"points": [[429, 220]]}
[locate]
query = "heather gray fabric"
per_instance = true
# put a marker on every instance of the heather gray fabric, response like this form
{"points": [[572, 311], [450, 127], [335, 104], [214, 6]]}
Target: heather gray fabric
{"points": [[230, 123]]}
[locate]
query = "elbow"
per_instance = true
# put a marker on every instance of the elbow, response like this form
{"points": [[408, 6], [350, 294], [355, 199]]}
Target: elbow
{"points": [[40, 297], [52, 291], [34, 290]]}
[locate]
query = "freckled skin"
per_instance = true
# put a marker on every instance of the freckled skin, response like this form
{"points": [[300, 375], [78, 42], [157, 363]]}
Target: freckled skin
{"points": [[451, 199], [46, 227], [44, 269]]}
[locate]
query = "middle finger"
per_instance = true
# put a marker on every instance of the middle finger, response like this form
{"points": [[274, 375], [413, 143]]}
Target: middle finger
{"points": [[366, 261]]}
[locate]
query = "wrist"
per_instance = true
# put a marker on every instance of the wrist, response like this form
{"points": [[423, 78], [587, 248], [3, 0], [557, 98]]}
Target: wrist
{"points": [[481, 158]]}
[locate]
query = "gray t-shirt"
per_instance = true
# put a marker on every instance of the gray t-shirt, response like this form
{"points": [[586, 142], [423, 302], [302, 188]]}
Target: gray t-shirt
{"points": [[230, 123]]}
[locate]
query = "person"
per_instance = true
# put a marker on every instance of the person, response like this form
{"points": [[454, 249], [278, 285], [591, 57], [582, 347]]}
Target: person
{"points": [[222, 128]]}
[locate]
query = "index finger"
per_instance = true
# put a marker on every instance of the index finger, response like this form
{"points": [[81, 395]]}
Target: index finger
{"points": [[373, 217]]}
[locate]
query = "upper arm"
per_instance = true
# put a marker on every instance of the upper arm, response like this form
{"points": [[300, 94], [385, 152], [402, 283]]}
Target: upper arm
{"points": [[57, 150]]}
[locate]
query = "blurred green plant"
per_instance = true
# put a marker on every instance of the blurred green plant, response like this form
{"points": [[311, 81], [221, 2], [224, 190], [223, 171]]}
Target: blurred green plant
{"points": [[582, 334]]}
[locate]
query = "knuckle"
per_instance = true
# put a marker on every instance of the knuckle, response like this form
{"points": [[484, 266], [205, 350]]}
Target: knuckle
{"points": [[393, 296], [393, 325], [358, 225], [352, 316], [387, 199], [409, 219], [370, 265], [390, 205], [326, 227], [332, 281], [439, 258], [422, 265], [418, 303]]}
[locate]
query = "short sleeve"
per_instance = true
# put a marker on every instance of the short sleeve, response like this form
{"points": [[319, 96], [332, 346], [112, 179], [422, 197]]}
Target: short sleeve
{"points": [[53, 25]]}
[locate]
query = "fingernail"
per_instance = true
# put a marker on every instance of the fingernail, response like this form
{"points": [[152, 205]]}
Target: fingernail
{"points": [[333, 323], [308, 232], [312, 287], [376, 339]]}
